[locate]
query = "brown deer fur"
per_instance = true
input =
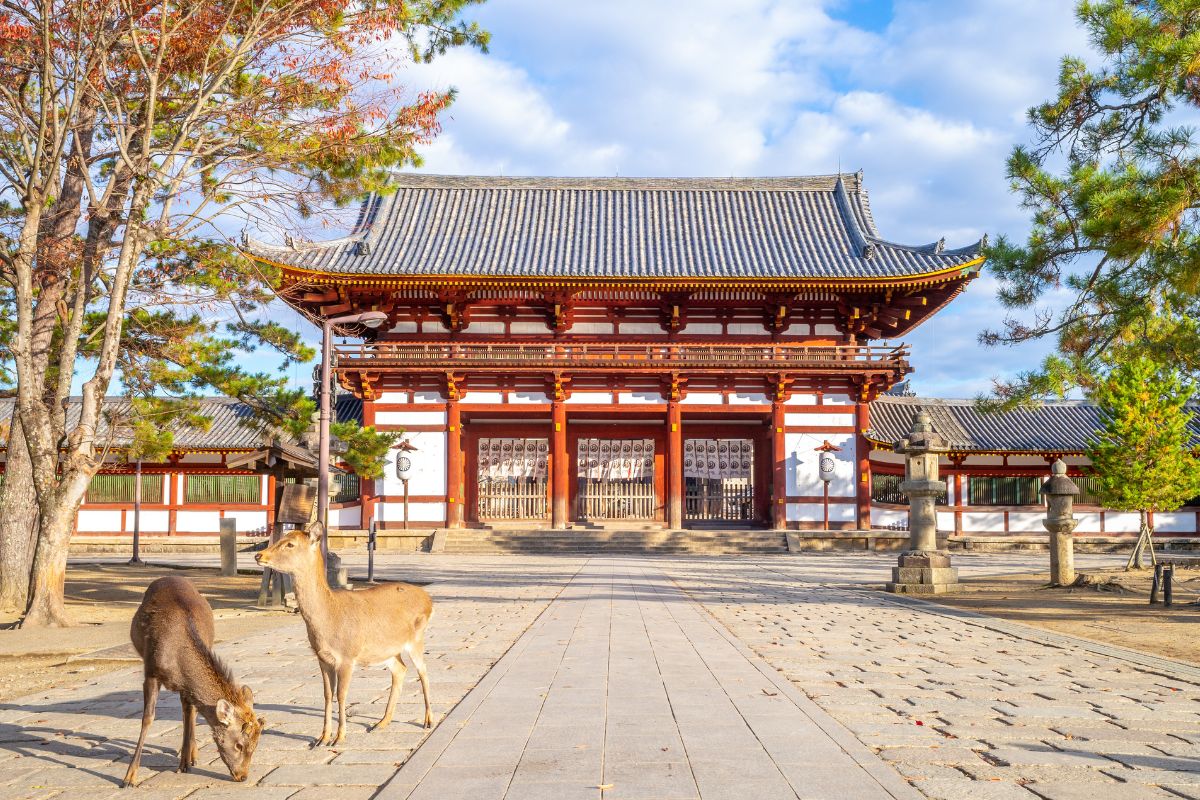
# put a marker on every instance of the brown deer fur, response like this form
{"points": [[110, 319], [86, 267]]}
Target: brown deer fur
{"points": [[363, 627], [173, 633]]}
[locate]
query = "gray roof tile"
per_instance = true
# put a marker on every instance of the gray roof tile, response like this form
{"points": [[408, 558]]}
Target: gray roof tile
{"points": [[804, 227]]}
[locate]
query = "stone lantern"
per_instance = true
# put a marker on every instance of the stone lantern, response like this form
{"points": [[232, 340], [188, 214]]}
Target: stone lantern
{"points": [[1060, 494], [923, 568]]}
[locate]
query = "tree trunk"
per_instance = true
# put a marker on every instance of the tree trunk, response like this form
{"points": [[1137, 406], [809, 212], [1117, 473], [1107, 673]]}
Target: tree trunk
{"points": [[47, 579], [1145, 542], [18, 521]]}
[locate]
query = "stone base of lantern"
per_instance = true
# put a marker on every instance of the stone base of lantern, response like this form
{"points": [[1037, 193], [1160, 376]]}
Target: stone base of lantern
{"points": [[924, 572]]}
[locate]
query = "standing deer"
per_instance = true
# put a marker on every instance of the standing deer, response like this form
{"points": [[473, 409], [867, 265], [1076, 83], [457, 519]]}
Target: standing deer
{"points": [[173, 633], [367, 627]]}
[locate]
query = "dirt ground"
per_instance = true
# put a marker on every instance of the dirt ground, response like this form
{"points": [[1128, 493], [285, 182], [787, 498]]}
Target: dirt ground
{"points": [[1116, 612], [101, 600]]}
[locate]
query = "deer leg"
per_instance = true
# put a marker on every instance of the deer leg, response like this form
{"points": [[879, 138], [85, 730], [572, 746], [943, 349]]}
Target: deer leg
{"points": [[417, 654], [398, 670], [188, 751], [149, 700], [327, 678], [344, 671]]}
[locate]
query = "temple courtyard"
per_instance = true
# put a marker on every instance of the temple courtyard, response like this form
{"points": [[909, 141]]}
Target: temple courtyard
{"points": [[663, 677]]}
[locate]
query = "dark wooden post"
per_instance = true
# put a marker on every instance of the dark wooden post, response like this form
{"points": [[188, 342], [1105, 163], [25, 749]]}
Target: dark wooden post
{"points": [[559, 466], [674, 466]]}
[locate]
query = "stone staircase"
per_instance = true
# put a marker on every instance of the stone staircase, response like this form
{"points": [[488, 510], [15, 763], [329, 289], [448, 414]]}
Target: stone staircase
{"points": [[485, 541]]}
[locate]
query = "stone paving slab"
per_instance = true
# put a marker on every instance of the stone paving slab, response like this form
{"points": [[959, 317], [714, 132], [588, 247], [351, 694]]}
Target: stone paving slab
{"points": [[964, 705], [626, 689]]}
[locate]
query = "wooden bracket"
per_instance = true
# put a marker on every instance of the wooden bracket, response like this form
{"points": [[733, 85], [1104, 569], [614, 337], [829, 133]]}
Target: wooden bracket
{"points": [[560, 389], [781, 386], [455, 386], [675, 387]]}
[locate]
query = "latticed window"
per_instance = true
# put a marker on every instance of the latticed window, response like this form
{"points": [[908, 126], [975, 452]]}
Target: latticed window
{"points": [[120, 488], [223, 489], [1005, 491], [886, 489], [348, 487], [1089, 490]]}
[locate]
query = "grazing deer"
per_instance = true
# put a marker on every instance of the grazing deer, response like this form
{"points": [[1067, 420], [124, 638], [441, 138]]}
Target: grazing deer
{"points": [[348, 628], [173, 633]]}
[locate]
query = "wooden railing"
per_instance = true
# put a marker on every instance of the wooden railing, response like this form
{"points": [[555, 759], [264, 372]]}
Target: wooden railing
{"points": [[635, 356]]}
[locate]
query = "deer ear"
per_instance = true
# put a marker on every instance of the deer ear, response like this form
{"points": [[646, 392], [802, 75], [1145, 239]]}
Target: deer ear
{"points": [[314, 533], [247, 696], [262, 723], [225, 714]]}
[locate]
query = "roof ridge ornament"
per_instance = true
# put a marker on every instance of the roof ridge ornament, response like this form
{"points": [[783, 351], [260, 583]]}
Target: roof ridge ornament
{"points": [[940, 245]]}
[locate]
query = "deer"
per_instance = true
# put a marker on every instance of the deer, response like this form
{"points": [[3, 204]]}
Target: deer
{"points": [[173, 631], [375, 626]]}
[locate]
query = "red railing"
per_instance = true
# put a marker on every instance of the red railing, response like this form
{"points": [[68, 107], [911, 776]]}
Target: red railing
{"points": [[635, 356]]}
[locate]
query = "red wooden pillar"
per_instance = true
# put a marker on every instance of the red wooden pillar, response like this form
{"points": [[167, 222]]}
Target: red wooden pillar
{"points": [[778, 468], [454, 465], [366, 488], [560, 491], [674, 466], [862, 421]]}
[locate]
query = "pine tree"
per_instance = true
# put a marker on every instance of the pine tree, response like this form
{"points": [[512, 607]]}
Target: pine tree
{"points": [[1143, 455], [1111, 180]]}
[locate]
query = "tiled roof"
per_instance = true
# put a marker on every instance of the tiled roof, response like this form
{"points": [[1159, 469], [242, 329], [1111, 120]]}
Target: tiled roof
{"points": [[233, 424], [804, 228], [1051, 427]]}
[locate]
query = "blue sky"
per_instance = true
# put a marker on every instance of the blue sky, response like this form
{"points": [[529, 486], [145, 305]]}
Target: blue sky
{"points": [[927, 96]]}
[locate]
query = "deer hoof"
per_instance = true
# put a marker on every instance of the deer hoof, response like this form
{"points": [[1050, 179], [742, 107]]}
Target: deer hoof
{"points": [[378, 726], [320, 740]]}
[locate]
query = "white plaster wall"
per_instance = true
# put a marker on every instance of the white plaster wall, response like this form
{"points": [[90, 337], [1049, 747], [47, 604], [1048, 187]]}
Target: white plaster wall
{"points": [[417, 512], [151, 521], [488, 326], [890, 518], [983, 521], [1026, 522], [428, 397], [1028, 461], [477, 398], [749, 399], [198, 521], [529, 398], [802, 463], [247, 521], [886, 457], [410, 417], [748, 329], [702, 398], [202, 458], [801, 400], [1089, 522], [527, 326], [983, 461], [577, 398], [346, 517], [603, 328], [101, 520], [405, 326], [701, 328], [800, 329], [1175, 522], [392, 397], [433, 326], [1122, 522], [809, 420], [838, 400], [945, 521], [429, 466], [641, 328], [815, 512], [825, 329], [640, 397]]}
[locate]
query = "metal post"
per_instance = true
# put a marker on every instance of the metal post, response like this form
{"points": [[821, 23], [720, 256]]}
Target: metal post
{"points": [[404, 524], [323, 439], [1155, 583], [1168, 575], [371, 552], [137, 515], [826, 498]]}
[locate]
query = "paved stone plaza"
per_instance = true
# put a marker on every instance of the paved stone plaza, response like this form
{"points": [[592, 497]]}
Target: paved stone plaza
{"points": [[666, 678]]}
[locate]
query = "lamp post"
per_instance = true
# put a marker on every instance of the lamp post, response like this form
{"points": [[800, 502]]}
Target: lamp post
{"points": [[136, 561], [371, 319], [826, 469]]}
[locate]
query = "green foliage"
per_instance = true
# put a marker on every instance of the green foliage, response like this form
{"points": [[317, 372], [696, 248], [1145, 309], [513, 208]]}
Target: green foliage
{"points": [[1112, 187], [364, 448], [1143, 457]]}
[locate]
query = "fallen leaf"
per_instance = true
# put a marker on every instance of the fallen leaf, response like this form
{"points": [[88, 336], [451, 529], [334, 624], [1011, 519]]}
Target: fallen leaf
{"points": [[770, 694]]}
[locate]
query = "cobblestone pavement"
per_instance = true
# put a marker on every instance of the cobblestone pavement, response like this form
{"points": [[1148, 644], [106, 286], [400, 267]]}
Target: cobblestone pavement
{"points": [[78, 739], [964, 706], [961, 707]]}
